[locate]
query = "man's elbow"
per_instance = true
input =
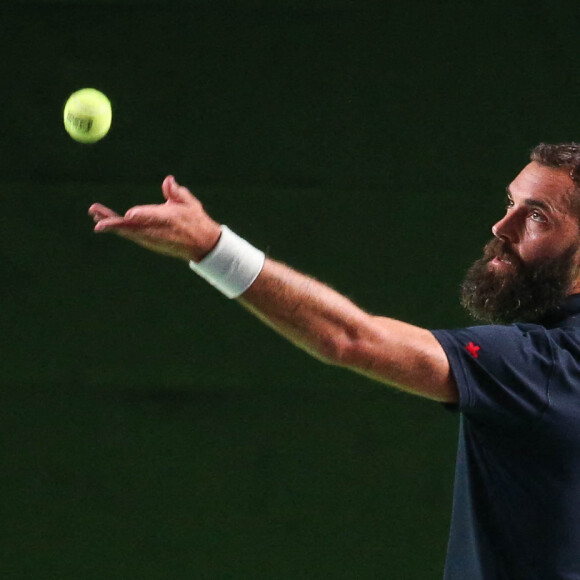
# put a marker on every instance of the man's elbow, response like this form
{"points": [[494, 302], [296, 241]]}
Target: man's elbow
{"points": [[428, 377]]}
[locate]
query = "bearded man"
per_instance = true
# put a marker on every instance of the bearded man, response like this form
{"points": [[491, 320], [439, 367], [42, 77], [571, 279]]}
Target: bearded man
{"points": [[515, 381]]}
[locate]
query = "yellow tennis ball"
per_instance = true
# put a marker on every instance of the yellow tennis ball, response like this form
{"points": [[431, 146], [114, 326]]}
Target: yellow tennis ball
{"points": [[87, 115]]}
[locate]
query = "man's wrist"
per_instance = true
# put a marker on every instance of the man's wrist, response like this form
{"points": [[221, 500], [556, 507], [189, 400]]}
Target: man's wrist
{"points": [[232, 265]]}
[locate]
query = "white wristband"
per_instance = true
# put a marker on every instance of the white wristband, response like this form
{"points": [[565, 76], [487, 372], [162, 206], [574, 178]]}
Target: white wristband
{"points": [[232, 266]]}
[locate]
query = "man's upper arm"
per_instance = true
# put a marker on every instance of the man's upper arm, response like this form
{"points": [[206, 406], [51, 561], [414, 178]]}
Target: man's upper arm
{"points": [[503, 373], [405, 356]]}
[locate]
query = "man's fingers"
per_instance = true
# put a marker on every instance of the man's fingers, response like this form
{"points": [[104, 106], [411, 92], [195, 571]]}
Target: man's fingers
{"points": [[137, 218], [99, 212], [144, 215], [107, 224]]}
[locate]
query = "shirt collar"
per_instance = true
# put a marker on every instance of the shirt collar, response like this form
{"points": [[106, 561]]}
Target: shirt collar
{"points": [[570, 307]]}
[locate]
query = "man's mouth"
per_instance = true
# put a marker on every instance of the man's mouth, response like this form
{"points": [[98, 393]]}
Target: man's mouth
{"points": [[501, 261], [498, 254]]}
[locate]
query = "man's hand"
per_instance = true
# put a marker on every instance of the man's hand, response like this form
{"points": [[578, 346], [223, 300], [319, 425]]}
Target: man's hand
{"points": [[180, 227]]}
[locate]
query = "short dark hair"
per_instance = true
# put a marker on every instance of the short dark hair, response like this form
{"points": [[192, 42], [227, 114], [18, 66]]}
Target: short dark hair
{"points": [[561, 155]]}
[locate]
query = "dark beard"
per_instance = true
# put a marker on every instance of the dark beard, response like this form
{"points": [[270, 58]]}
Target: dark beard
{"points": [[524, 293]]}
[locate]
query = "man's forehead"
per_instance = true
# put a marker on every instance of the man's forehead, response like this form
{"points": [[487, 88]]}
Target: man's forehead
{"points": [[553, 186]]}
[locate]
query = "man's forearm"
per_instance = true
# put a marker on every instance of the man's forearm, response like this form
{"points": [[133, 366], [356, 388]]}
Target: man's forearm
{"points": [[307, 312]]}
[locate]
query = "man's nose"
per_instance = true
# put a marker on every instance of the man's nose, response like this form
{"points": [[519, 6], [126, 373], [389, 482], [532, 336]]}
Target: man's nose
{"points": [[506, 228]]}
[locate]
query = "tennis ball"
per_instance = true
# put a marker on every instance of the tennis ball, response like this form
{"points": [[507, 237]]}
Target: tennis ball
{"points": [[87, 115]]}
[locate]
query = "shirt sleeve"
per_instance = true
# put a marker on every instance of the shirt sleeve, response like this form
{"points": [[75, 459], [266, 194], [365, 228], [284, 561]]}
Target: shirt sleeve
{"points": [[502, 372]]}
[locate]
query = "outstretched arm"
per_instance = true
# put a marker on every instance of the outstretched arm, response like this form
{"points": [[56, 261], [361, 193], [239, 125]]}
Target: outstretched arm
{"points": [[333, 329], [308, 313]]}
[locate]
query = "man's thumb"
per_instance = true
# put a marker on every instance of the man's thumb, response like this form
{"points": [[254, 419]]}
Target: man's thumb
{"points": [[172, 191]]}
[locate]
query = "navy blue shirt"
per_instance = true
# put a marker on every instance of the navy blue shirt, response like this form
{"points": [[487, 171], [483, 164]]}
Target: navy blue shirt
{"points": [[516, 501]]}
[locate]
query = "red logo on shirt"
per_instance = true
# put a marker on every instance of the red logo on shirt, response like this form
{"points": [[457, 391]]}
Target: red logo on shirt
{"points": [[472, 349]]}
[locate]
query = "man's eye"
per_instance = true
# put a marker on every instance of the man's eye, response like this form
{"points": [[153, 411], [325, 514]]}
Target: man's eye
{"points": [[537, 216]]}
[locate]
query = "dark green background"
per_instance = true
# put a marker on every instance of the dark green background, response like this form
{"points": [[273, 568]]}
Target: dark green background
{"points": [[152, 429]]}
